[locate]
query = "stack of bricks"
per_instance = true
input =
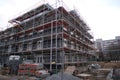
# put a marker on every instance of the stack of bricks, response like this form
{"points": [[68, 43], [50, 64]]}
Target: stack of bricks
{"points": [[28, 69]]}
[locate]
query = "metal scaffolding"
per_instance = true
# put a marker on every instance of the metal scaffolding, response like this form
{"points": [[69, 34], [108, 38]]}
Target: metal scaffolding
{"points": [[55, 36]]}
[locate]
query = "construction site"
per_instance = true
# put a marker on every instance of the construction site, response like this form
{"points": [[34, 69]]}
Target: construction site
{"points": [[50, 35]]}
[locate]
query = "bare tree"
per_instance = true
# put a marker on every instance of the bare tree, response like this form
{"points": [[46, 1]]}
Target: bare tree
{"points": [[114, 52]]}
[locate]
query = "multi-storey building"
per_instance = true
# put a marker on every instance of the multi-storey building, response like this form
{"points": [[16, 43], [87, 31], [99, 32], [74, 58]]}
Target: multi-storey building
{"points": [[108, 46], [48, 35]]}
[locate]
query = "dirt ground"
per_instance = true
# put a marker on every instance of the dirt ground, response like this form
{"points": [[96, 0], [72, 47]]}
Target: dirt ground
{"points": [[109, 64], [106, 67]]}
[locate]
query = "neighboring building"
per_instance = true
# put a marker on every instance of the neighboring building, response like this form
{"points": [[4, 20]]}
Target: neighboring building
{"points": [[106, 46], [48, 35]]}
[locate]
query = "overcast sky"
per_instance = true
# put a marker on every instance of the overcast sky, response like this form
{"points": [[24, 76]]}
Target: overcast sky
{"points": [[102, 16]]}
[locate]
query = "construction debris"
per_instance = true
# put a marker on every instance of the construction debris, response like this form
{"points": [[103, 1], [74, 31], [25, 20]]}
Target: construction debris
{"points": [[70, 69], [63, 76]]}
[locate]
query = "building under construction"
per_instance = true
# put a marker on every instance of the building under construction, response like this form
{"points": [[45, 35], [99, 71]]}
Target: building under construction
{"points": [[50, 35]]}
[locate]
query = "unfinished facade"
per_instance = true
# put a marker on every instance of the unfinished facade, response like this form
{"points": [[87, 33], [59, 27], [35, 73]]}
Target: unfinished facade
{"points": [[52, 36]]}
